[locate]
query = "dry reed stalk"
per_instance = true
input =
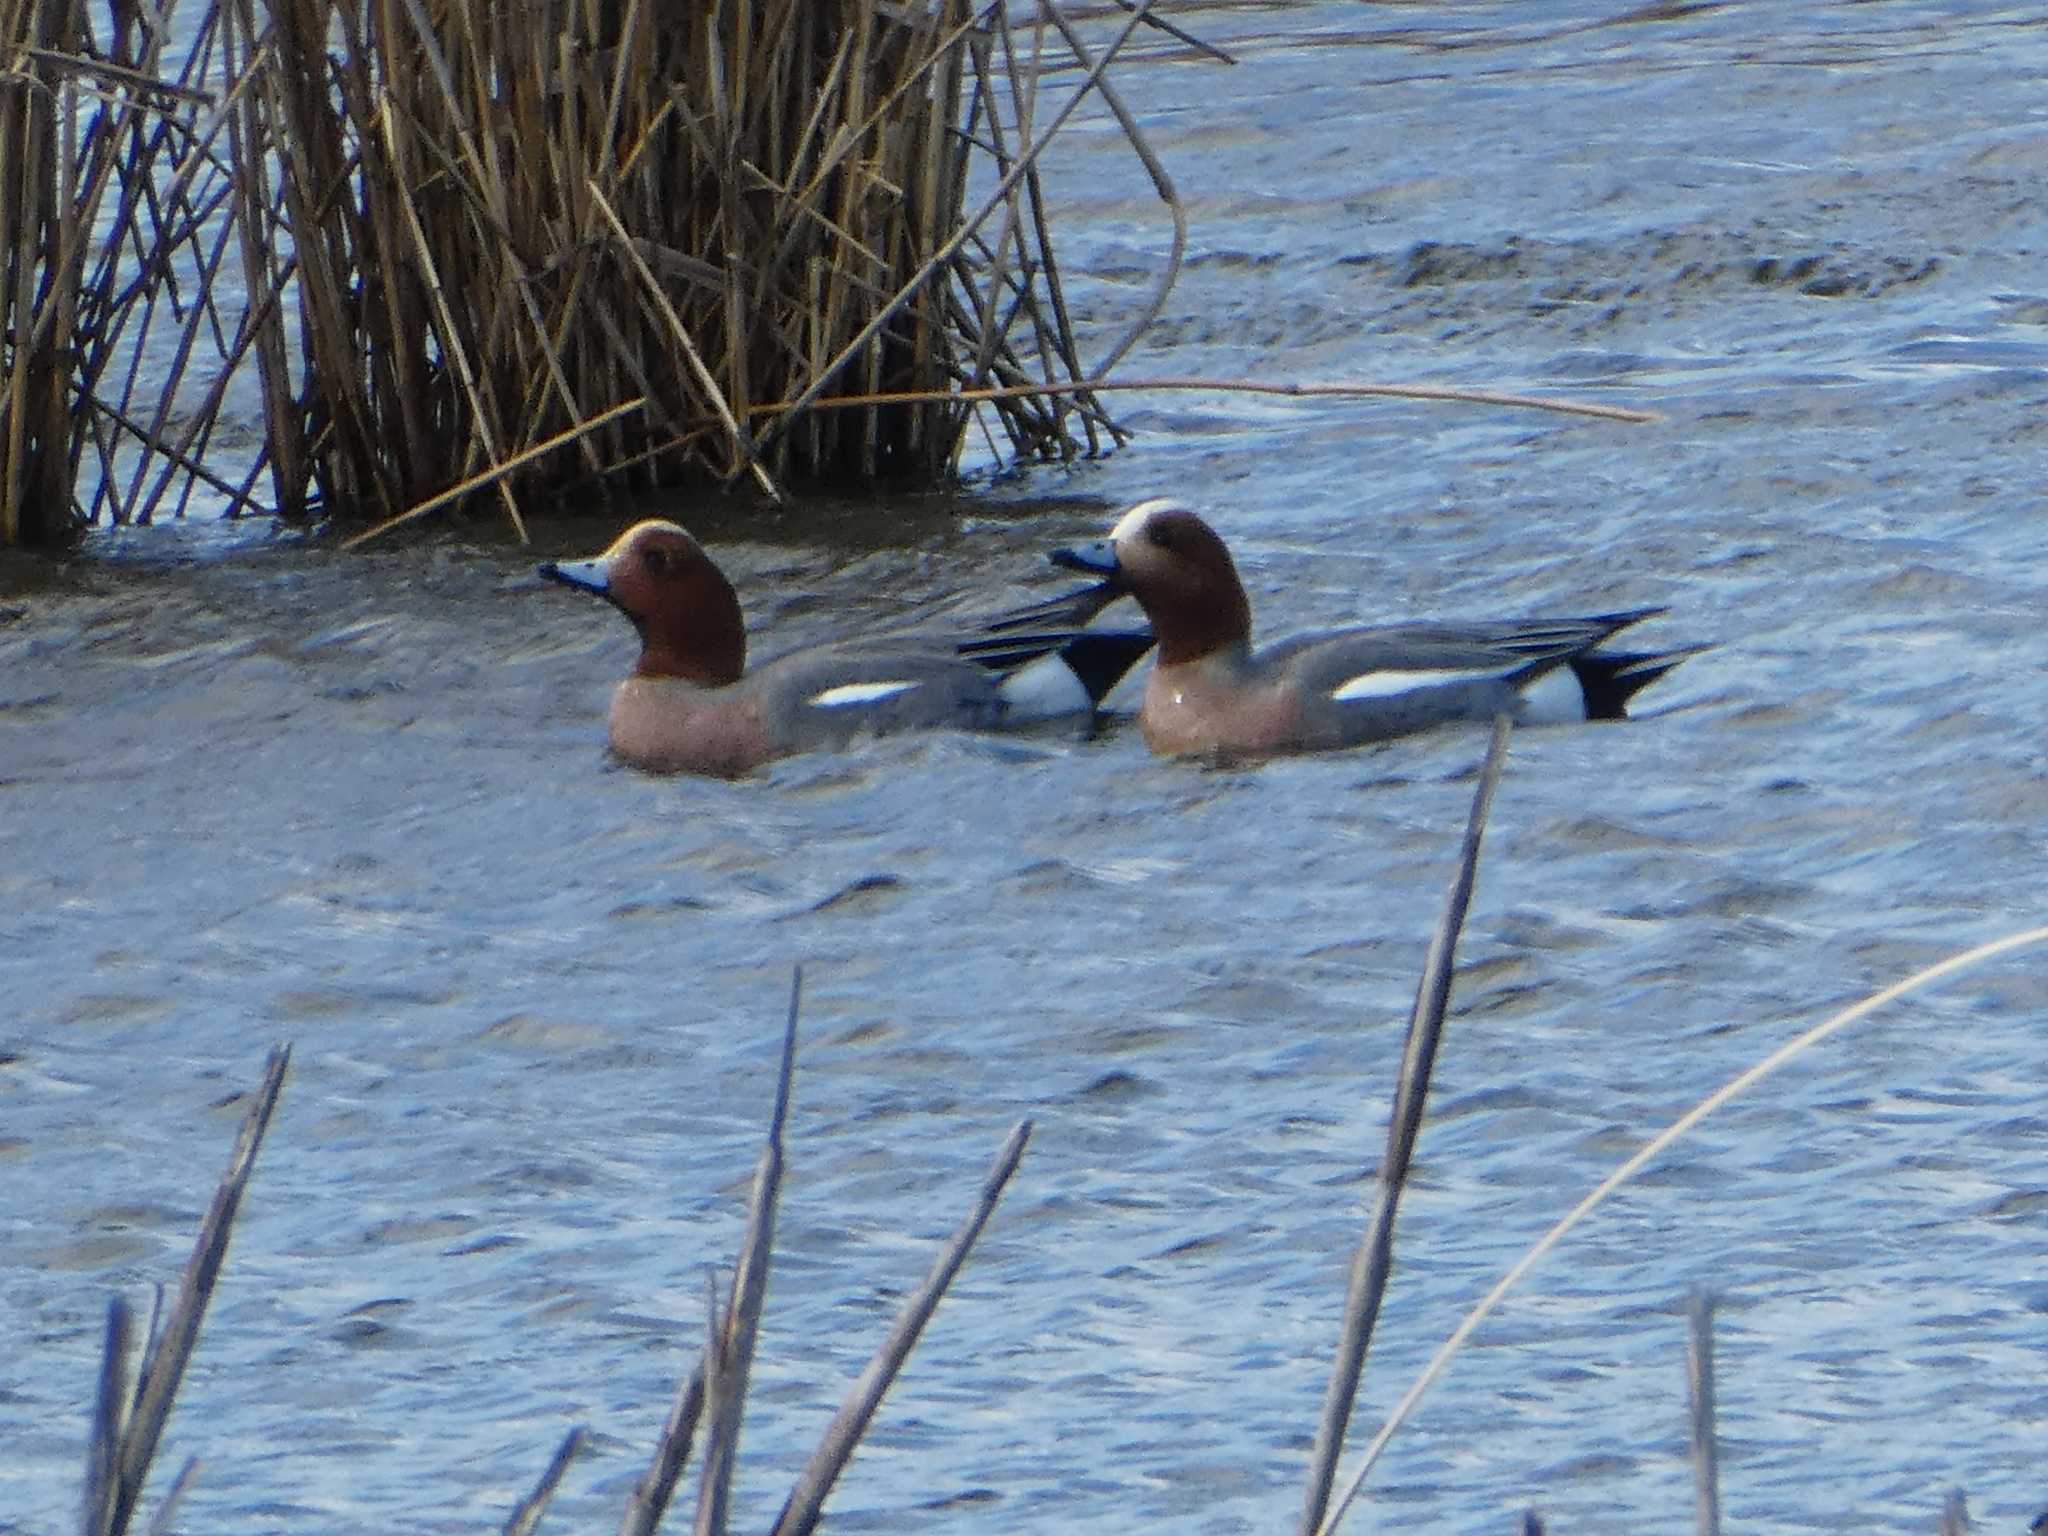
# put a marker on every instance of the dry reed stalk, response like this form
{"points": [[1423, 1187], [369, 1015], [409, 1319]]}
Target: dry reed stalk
{"points": [[1655, 1147], [1264, 387], [730, 1354], [1373, 1264], [806, 1500], [1955, 1515], [1699, 1382], [526, 1517], [109, 1404], [32, 235], [167, 1506], [719, 1382], [649, 1500], [127, 1426]]}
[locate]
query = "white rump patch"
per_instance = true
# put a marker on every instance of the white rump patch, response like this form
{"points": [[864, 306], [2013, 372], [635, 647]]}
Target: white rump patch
{"points": [[1045, 689], [847, 694], [1391, 684], [1555, 698], [1128, 525]]}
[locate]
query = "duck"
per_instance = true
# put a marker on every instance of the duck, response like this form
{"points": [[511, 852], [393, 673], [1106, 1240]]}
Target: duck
{"points": [[691, 703], [1210, 693]]}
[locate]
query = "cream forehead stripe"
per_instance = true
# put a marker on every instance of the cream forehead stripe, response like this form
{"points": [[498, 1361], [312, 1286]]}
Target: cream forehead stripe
{"points": [[651, 526], [859, 693], [1128, 525]]}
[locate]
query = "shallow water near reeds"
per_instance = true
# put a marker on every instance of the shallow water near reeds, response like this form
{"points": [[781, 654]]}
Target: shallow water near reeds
{"points": [[254, 789]]}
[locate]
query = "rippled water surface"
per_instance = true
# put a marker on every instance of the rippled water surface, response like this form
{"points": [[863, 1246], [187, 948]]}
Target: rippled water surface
{"points": [[252, 789]]}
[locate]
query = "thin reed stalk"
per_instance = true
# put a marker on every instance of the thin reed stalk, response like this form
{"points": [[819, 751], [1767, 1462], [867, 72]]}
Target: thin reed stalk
{"points": [[167, 1507], [1373, 1264], [128, 1426], [102, 1459], [526, 1517], [651, 1494], [1333, 390], [1655, 1147], [730, 1354], [1699, 1382], [813, 1486]]}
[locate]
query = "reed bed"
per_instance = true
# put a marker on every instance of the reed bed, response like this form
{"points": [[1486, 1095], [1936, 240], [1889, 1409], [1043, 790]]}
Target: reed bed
{"points": [[332, 261], [511, 221], [121, 322], [477, 251]]}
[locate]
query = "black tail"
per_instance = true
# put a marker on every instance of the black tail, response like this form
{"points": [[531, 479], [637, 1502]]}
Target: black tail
{"points": [[1611, 678], [1101, 657]]}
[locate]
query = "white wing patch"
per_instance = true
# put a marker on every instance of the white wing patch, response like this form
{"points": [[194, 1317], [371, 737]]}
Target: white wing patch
{"points": [[848, 694], [1388, 684]]}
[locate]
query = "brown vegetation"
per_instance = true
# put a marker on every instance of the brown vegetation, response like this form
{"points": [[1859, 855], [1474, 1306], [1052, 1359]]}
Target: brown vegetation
{"points": [[511, 250]]}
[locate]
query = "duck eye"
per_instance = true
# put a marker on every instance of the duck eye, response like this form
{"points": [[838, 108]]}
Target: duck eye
{"points": [[1163, 535], [656, 560]]}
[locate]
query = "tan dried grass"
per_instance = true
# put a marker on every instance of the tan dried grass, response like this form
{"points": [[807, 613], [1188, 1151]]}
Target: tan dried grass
{"points": [[512, 220]]}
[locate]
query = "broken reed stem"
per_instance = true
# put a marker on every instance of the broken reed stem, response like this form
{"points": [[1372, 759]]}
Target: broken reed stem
{"points": [[168, 1352], [651, 1494], [1741, 1083], [1374, 1262], [496, 472], [732, 1343], [535, 1504], [167, 1508], [1699, 1384], [1955, 1516], [109, 1406], [835, 1449]]}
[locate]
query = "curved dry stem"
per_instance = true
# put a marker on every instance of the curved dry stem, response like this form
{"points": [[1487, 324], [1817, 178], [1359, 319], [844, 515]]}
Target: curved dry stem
{"points": [[1234, 386], [1679, 1128], [496, 472], [1161, 183]]}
